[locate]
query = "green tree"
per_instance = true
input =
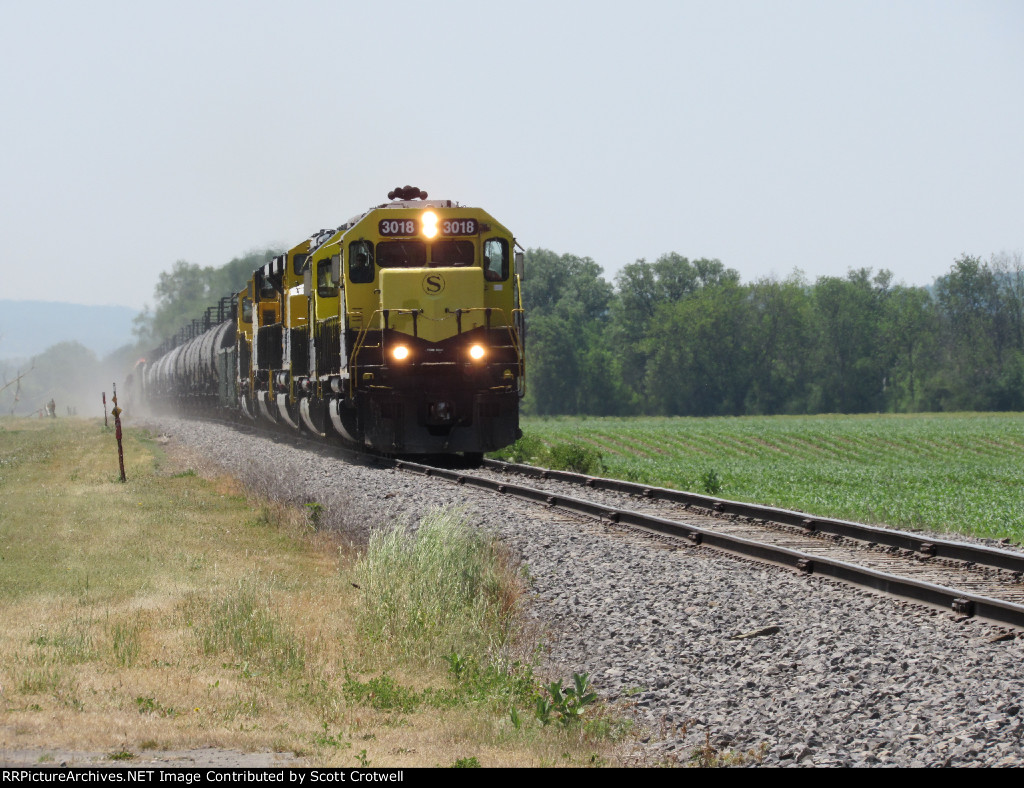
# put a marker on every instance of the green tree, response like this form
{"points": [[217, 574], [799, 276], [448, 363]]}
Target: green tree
{"points": [[908, 326], [184, 293], [566, 302], [781, 338], [181, 294], [553, 283], [71, 375], [701, 358], [641, 290], [982, 359], [553, 365], [851, 371]]}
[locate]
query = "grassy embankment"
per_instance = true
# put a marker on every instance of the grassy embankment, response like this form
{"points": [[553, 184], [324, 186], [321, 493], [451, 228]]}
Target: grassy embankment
{"points": [[175, 612], [949, 472]]}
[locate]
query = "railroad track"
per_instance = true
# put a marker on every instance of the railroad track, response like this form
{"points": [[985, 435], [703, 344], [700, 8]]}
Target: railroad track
{"points": [[965, 579]]}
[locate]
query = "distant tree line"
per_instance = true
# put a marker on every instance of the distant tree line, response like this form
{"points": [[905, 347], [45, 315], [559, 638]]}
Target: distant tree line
{"points": [[686, 337], [188, 289]]}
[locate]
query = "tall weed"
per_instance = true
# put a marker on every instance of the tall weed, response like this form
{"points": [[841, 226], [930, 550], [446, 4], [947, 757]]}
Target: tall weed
{"points": [[446, 587], [126, 641]]}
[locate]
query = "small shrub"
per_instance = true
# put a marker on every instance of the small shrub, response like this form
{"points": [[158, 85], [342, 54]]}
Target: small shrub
{"points": [[496, 682], [148, 705], [710, 757], [41, 677], [71, 644], [244, 624], [711, 482], [528, 449], [327, 739], [576, 457], [607, 727], [383, 693]]}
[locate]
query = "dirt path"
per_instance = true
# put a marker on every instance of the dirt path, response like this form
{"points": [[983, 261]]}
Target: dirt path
{"points": [[207, 757]]}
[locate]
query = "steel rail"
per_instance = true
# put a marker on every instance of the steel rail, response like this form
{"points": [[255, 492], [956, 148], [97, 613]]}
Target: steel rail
{"points": [[918, 543]]}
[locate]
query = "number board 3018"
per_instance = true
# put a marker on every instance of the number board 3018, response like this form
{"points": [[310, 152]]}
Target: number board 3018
{"points": [[388, 227], [409, 227], [459, 227]]}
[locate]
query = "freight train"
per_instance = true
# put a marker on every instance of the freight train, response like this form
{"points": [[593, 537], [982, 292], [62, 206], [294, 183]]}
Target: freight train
{"points": [[401, 331]]}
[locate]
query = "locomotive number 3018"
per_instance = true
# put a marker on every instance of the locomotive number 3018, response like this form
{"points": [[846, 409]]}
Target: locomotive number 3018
{"points": [[397, 227], [393, 227], [458, 227]]}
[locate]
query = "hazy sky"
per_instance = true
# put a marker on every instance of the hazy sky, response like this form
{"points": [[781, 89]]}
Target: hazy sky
{"points": [[772, 135]]}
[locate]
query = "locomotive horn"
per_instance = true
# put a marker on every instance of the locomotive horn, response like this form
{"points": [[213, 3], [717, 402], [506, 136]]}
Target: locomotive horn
{"points": [[407, 193]]}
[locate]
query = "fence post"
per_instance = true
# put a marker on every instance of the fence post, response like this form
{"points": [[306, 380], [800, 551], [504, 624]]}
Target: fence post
{"points": [[117, 431]]}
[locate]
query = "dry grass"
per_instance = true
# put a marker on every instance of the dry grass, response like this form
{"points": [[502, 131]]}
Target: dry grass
{"points": [[177, 612]]}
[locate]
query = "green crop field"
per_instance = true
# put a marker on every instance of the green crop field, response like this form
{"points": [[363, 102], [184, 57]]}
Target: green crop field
{"points": [[949, 472]]}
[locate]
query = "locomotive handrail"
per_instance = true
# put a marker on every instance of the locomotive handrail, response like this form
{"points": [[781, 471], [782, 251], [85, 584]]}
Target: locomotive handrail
{"points": [[513, 332], [357, 348]]}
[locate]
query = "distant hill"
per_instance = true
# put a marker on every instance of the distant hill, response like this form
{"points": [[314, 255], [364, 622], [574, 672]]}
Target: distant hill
{"points": [[27, 328]]}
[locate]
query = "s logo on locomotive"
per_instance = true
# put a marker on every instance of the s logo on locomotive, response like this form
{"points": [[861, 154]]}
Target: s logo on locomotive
{"points": [[433, 284]]}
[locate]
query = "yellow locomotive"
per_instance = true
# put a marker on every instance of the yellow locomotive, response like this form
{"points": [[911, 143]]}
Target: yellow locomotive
{"points": [[401, 330]]}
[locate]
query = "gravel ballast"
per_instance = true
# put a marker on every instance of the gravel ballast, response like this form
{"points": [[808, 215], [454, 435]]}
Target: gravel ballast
{"points": [[700, 646]]}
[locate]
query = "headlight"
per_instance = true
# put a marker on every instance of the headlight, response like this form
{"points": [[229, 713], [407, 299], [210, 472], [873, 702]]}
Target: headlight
{"points": [[429, 224], [400, 352], [476, 352]]}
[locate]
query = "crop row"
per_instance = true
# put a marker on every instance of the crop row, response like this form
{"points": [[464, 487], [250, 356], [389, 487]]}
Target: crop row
{"points": [[958, 472]]}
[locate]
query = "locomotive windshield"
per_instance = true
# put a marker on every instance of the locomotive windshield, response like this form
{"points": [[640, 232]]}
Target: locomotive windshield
{"points": [[452, 253], [401, 254], [413, 254]]}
